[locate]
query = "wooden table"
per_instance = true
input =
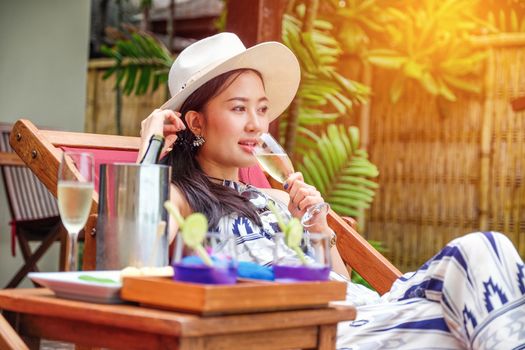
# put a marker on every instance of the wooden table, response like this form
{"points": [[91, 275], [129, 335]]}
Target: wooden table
{"points": [[37, 313]]}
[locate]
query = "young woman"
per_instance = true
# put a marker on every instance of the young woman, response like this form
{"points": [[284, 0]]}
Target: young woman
{"points": [[470, 295]]}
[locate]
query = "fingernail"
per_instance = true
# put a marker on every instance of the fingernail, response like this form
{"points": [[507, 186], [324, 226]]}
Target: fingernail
{"points": [[285, 186]]}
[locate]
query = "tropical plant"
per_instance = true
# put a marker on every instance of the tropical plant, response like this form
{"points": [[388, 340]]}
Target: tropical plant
{"points": [[220, 22], [324, 94], [358, 22], [427, 41], [321, 84], [142, 63], [336, 165], [333, 161]]}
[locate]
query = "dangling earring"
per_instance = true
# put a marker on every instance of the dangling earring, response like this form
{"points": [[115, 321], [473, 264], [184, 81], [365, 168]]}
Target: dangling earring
{"points": [[199, 141]]}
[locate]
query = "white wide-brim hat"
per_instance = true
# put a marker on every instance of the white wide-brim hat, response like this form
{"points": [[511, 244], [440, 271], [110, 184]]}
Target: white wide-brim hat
{"points": [[224, 52]]}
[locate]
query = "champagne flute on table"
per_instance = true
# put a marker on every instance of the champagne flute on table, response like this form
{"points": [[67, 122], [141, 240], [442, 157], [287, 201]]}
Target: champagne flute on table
{"points": [[75, 189], [274, 160]]}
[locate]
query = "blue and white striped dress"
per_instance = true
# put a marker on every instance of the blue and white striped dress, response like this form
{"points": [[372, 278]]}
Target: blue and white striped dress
{"points": [[471, 295]]}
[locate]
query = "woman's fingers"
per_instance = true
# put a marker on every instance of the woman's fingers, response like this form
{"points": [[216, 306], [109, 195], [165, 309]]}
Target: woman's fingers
{"points": [[153, 124], [302, 195], [162, 122], [305, 197], [170, 139], [173, 123], [172, 129], [292, 178], [168, 144], [310, 200]]}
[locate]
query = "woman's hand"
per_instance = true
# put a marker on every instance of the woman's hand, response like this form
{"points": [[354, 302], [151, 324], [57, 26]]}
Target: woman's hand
{"points": [[302, 197], [160, 122]]}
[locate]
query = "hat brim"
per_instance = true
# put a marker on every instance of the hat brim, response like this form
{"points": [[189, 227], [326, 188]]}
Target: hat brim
{"points": [[275, 62]]}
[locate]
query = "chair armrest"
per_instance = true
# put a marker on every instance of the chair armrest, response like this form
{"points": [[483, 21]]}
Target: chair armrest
{"points": [[350, 221], [362, 256]]}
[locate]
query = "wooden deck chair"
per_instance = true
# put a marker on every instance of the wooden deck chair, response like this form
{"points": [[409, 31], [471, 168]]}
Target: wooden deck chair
{"points": [[9, 339], [34, 211], [41, 151]]}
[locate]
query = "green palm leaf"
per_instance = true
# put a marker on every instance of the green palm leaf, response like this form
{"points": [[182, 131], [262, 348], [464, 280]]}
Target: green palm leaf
{"points": [[321, 85], [426, 41], [142, 63], [342, 174]]}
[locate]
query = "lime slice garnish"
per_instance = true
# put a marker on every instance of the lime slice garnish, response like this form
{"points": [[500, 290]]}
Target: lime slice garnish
{"points": [[292, 230], [193, 233], [194, 229], [294, 233], [293, 238]]}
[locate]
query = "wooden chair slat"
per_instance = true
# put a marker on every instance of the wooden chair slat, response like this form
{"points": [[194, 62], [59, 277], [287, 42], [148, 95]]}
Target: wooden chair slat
{"points": [[86, 140], [7, 158]]}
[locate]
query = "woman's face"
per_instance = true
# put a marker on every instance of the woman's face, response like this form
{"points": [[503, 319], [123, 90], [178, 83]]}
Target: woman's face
{"points": [[232, 122]]}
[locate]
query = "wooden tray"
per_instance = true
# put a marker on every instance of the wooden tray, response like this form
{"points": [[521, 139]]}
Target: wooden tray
{"points": [[245, 296]]}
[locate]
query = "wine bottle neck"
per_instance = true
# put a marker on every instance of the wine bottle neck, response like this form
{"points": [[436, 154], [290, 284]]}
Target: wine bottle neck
{"points": [[152, 154]]}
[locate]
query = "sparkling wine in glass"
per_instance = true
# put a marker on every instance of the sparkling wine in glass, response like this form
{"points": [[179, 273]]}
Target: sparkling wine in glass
{"points": [[75, 189], [278, 165], [274, 160]]}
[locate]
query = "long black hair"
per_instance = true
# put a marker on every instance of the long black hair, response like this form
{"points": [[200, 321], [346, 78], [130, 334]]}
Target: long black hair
{"points": [[212, 199]]}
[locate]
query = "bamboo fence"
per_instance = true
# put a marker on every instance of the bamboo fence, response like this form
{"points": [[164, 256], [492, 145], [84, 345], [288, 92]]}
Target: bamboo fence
{"points": [[449, 168], [101, 103], [446, 168]]}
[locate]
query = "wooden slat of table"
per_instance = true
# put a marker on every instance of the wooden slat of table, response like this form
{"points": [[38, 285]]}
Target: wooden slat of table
{"points": [[85, 333], [118, 338], [89, 334], [298, 338], [43, 302]]}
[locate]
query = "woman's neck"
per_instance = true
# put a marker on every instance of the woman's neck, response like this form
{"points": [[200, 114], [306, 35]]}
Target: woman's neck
{"points": [[216, 171]]}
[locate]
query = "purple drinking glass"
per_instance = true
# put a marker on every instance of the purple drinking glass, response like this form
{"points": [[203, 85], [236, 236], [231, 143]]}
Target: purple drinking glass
{"points": [[288, 267], [190, 267]]}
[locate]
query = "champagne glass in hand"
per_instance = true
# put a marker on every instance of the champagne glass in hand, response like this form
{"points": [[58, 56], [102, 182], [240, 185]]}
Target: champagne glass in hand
{"points": [[75, 189], [274, 160]]}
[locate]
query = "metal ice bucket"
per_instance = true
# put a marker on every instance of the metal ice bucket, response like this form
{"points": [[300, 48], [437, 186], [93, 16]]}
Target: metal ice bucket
{"points": [[132, 222]]}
